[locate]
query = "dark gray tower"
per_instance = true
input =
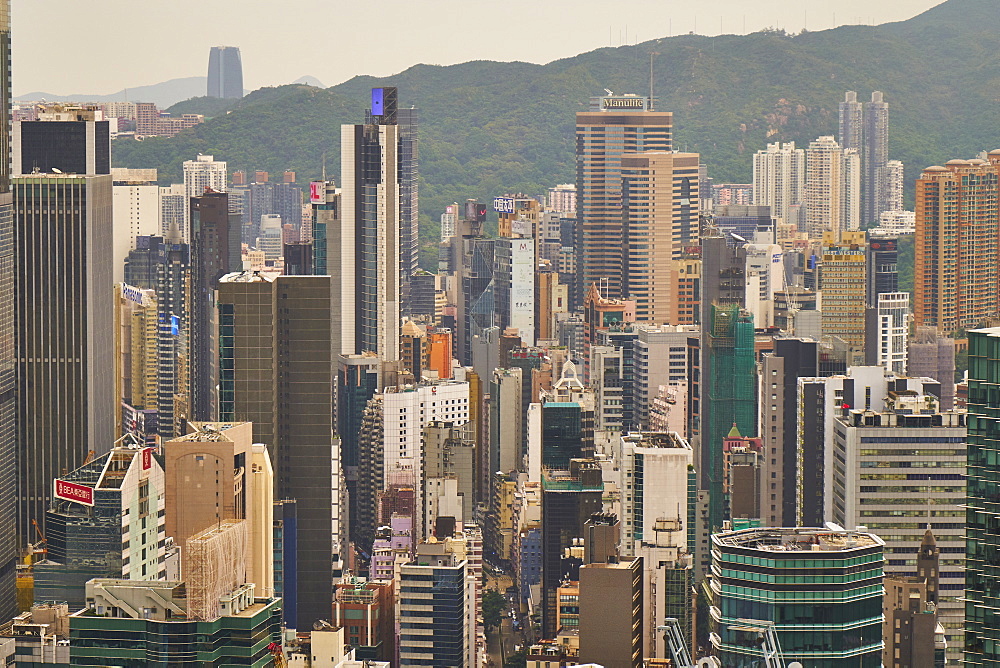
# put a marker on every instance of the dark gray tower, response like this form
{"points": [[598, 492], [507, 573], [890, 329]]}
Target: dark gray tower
{"points": [[225, 72]]}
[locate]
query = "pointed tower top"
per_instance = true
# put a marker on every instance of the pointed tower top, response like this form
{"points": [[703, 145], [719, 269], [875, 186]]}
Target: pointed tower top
{"points": [[734, 432]]}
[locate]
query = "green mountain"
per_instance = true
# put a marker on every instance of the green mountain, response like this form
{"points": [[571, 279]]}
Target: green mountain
{"points": [[488, 128]]}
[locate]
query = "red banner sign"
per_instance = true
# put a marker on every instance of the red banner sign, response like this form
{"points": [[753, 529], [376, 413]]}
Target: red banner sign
{"points": [[147, 458], [70, 491]]}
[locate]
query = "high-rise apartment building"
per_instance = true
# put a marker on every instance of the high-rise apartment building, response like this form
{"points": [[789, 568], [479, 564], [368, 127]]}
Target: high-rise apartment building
{"points": [[660, 208], [892, 188], [824, 189], [875, 485], [614, 125], [851, 122], [201, 175], [850, 216], [779, 178], [281, 379], [8, 354], [843, 285], [64, 341], [956, 251], [378, 234], [225, 72], [829, 613], [982, 636], [876, 157]]}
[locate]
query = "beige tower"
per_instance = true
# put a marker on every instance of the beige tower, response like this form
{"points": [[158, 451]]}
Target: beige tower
{"points": [[842, 284], [136, 363], [660, 208], [215, 474], [824, 187]]}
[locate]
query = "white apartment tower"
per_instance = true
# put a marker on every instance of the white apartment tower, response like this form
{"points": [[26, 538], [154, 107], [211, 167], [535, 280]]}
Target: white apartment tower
{"points": [[779, 178], [200, 174]]}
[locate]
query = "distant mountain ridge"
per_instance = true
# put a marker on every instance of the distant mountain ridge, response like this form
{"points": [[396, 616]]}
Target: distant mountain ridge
{"points": [[487, 128], [162, 94]]}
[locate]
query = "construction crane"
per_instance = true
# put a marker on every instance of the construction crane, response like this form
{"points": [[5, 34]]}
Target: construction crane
{"points": [[679, 654], [770, 648], [768, 638]]}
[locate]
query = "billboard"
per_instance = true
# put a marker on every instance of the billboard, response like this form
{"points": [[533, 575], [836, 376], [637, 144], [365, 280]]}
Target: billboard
{"points": [[132, 294], [503, 204], [378, 101], [317, 193], [70, 491]]}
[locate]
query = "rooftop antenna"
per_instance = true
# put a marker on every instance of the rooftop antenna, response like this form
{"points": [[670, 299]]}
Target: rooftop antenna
{"points": [[651, 55], [324, 166]]}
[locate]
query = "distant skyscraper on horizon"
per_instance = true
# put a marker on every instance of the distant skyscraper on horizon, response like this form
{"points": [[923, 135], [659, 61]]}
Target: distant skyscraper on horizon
{"points": [[225, 72]]}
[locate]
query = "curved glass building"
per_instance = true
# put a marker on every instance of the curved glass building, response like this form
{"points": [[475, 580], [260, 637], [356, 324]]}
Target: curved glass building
{"points": [[820, 588]]}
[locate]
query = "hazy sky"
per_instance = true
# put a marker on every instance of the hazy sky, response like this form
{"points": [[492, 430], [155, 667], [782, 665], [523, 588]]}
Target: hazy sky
{"points": [[102, 46]]}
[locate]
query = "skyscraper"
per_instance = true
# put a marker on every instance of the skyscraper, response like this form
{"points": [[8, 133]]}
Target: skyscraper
{"points": [[982, 635], [163, 265], [851, 122], [883, 439], [281, 379], [843, 569], [202, 174], [727, 363], [956, 250], [215, 251], [8, 358], [64, 139], [614, 125], [824, 195], [225, 72], [779, 178], [378, 239], [660, 208], [876, 157], [65, 338], [843, 284]]}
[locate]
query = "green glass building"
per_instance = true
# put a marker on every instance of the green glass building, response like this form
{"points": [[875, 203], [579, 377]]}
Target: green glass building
{"points": [[230, 640], [982, 530], [821, 588]]}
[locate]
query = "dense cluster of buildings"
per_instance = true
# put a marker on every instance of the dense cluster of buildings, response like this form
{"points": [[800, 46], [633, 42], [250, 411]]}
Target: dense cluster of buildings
{"points": [[240, 423]]}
